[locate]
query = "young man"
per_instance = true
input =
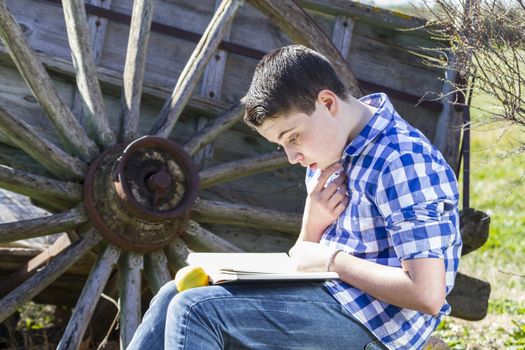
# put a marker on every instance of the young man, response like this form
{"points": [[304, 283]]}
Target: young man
{"points": [[381, 211]]}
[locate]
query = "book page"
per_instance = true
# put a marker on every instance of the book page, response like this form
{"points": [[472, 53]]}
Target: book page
{"points": [[243, 262]]}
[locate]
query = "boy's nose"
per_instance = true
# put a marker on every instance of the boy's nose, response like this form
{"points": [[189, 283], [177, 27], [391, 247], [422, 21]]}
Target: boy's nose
{"points": [[293, 156]]}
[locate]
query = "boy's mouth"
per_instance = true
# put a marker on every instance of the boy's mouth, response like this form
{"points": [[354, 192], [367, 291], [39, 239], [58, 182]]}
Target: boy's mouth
{"points": [[312, 166]]}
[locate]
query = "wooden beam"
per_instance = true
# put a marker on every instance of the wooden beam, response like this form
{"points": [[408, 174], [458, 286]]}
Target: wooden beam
{"points": [[86, 74], [134, 68], [207, 134], [241, 168], [302, 29], [448, 127], [24, 229], [112, 81], [44, 277], [342, 35], [208, 211], [36, 77], [40, 187], [98, 277], [156, 270], [97, 32], [44, 152], [130, 266], [177, 253], [204, 240], [192, 71]]}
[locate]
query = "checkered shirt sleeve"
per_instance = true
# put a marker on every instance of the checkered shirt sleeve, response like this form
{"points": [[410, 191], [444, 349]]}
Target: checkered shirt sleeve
{"points": [[417, 196]]}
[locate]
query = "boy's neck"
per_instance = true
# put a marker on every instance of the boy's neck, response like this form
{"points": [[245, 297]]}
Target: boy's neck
{"points": [[357, 114]]}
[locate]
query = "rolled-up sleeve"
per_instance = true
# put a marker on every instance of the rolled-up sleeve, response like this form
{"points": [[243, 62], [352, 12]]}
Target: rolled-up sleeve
{"points": [[418, 197]]}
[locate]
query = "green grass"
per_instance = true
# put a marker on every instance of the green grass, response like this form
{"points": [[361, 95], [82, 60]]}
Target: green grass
{"points": [[497, 188]]}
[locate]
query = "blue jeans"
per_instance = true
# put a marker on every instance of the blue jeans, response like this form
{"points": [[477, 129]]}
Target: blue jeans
{"points": [[250, 316]]}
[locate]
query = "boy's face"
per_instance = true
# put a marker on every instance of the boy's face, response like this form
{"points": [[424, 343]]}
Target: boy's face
{"points": [[316, 141]]}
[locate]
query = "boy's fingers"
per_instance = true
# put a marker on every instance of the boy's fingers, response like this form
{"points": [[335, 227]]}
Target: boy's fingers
{"points": [[337, 185], [325, 175]]}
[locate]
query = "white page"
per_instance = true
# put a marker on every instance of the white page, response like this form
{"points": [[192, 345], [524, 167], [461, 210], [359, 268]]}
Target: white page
{"points": [[246, 262]]}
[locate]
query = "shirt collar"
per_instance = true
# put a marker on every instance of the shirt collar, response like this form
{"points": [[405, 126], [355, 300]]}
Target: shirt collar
{"points": [[374, 127]]}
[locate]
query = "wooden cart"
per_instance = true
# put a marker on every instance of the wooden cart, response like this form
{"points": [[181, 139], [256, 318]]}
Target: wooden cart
{"points": [[81, 84]]}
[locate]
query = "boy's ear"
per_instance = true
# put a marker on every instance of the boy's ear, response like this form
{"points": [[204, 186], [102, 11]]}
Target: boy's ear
{"points": [[328, 99]]}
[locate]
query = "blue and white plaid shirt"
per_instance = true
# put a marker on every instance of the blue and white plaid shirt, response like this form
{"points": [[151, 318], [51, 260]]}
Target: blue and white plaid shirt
{"points": [[403, 205]]}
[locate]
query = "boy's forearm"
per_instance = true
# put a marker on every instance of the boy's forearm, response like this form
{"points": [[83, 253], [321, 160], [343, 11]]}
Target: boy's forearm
{"points": [[422, 289]]}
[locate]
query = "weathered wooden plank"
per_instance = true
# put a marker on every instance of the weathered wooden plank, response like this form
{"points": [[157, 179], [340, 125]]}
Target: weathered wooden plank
{"points": [[134, 68], [303, 30], [40, 187], [202, 239], [86, 74], [245, 215], [29, 268], [13, 231], [129, 295], [156, 270], [177, 253], [242, 168], [207, 134], [211, 87], [42, 87], [98, 277], [448, 126], [469, 298], [50, 156], [374, 14], [201, 55], [211, 83], [254, 240], [44, 277], [342, 34]]}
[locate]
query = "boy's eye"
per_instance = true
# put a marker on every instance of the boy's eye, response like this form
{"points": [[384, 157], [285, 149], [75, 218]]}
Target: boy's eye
{"points": [[293, 139]]}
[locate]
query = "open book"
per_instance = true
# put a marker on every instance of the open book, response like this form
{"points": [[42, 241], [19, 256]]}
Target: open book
{"points": [[240, 267]]}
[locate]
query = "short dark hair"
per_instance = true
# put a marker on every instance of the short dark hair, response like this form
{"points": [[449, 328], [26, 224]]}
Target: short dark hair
{"points": [[289, 79]]}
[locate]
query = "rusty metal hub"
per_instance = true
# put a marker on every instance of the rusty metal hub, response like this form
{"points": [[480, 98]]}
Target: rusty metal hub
{"points": [[139, 196]]}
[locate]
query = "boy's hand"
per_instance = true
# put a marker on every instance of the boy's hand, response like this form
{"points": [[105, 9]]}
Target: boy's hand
{"points": [[310, 257], [324, 204]]}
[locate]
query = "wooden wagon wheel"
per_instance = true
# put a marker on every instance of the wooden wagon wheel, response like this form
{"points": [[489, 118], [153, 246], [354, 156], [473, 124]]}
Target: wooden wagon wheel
{"points": [[134, 197]]}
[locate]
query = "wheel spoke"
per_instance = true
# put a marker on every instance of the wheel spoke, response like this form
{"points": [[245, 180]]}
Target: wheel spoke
{"points": [[40, 187], [86, 73], [197, 236], [157, 272], [134, 68], [207, 134], [302, 29], [89, 297], [15, 158], [245, 215], [97, 31], [177, 253], [129, 300], [50, 156], [192, 71], [14, 231], [44, 277], [241, 168], [35, 75]]}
